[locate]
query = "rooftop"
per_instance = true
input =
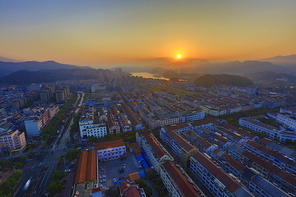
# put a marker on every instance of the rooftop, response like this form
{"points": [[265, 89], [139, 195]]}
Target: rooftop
{"points": [[187, 188], [109, 144], [87, 167]]}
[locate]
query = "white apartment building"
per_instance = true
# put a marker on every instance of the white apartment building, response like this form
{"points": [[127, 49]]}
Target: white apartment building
{"points": [[195, 115], [256, 125], [287, 120], [177, 182], [154, 150], [214, 179], [88, 129]]}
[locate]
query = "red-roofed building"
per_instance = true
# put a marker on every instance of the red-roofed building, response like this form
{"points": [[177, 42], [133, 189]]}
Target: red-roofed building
{"points": [[127, 189], [180, 147], [216, 181], [86, 167], [177, 182]]}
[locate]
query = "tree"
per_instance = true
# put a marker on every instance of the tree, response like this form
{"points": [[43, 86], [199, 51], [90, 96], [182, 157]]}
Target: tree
{"points": [[55, 187], [92, 139], [72, 154], [4, 164], [141, 183], [148, 191], [17, 165], [24, 158], [58, 175]]}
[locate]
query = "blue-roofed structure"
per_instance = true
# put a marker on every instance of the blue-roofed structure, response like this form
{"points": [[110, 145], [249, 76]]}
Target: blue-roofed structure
{"points": [[118, 181], [141, 159], [142, 174]]}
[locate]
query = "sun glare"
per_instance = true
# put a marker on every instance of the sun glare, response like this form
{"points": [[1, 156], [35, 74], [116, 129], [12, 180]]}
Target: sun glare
{"points": [[179, 56]]}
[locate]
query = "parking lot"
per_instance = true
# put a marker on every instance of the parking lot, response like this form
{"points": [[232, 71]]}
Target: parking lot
{"points": [[117, 169]]}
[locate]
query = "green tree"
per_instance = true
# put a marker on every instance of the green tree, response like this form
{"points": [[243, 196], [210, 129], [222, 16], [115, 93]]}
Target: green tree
{"points": [[17, 165], [54, 188], [4, 164], [141, 183], [58, 175], [148, 191], [92, 139], [72, 154], [23, 158]]}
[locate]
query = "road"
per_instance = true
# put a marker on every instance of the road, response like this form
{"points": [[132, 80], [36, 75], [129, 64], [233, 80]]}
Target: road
{"points": [[41, 170]]}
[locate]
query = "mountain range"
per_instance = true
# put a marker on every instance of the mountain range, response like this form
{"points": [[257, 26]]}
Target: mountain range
{"points": [[192, 66], [283, 64], [7, 68]]}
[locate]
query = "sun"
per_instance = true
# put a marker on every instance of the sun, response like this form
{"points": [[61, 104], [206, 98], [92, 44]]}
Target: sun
{"points": [[179, 56]]}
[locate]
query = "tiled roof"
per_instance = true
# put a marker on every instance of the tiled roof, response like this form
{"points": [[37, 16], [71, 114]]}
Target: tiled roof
{"points": [[224, 178], [285, 176], [179, 126], [181, 181], [233, 162], [87, 167], [203, 142], [264, 141], [128, 190], [233, 135], [155, 146], [134, 176], [133, 145], [132, 192], [203, 122], [238, 130], [180, 140], [221, 139], [258, 160], [109, 144]]}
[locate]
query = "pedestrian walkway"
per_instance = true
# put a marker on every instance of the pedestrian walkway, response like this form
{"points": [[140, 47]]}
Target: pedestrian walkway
{"points": [[5, 175]]}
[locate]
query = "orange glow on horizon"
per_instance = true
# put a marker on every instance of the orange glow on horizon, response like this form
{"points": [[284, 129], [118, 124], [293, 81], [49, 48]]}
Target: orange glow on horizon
{"points": [[179, 56]]}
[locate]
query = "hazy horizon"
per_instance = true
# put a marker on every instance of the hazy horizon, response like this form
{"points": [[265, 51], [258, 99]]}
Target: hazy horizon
{"points": [[118, 33]]}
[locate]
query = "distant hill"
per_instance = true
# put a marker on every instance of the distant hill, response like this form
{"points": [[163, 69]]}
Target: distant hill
{"points": [[222, 79], [25, 77], [288, 61], [240, 68], [199, 66], [4, 59], [34, 66], [268, 78], [5, 72]]}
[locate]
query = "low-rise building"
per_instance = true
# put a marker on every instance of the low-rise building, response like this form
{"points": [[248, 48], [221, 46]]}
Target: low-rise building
{"points": [[110, 150]]}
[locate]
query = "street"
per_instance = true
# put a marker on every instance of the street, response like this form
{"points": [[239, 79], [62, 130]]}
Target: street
{"points": [[40, 171]]}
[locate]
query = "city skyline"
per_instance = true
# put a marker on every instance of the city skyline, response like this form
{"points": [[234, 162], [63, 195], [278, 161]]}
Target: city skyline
{"points": [[102, 33]]}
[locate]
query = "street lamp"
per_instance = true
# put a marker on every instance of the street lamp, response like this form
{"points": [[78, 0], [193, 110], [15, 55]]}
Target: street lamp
{"points": [[64, 161]]}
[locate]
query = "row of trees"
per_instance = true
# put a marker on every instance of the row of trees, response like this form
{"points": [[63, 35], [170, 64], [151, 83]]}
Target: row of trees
{"points": [[56, 186], [7, 187], [129, 136], [56, 120]]}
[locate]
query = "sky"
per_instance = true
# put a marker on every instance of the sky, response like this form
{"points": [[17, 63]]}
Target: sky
{"points": [[99, 33]]}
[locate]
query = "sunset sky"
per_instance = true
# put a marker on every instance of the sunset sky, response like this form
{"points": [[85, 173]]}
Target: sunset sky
{"points": [[107, 32]]}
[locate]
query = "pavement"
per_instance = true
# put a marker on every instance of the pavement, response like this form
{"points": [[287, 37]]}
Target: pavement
{"points": [[112, 167], [5, 175]]}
